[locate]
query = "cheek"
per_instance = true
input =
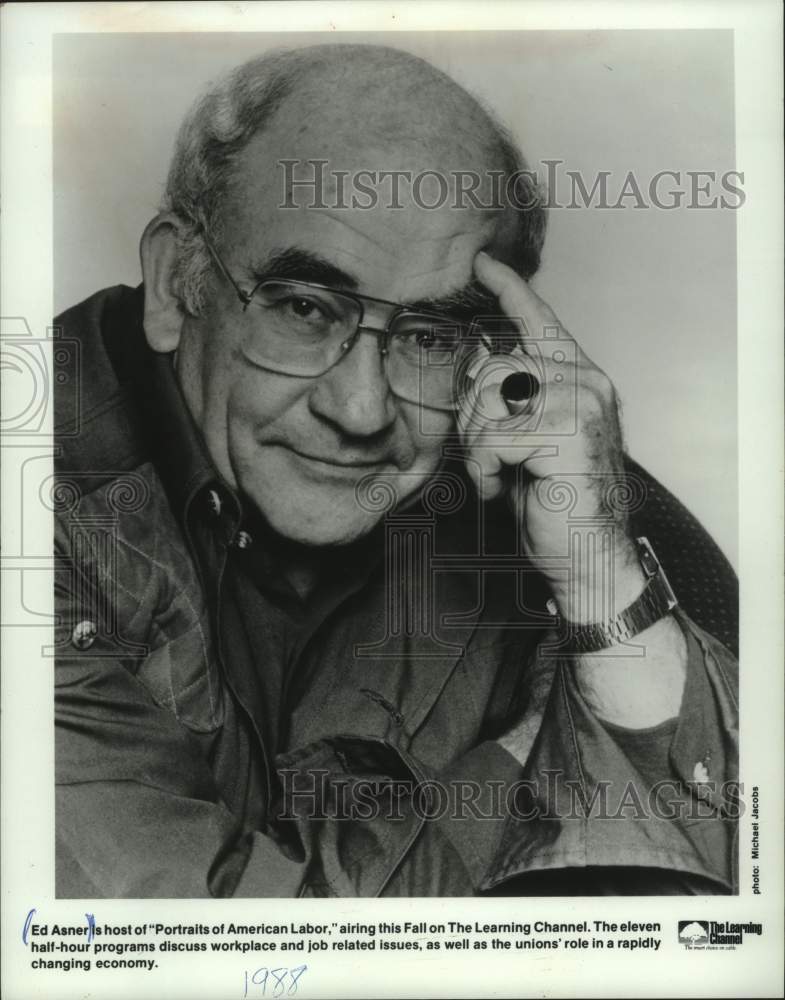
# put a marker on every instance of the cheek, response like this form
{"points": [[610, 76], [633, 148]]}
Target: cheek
{"points": [[206, 363], [428, 430], [232, 400], [257, 399], [235, 390]]}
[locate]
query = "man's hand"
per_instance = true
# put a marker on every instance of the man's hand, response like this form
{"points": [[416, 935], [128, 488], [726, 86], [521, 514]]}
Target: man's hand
{"points": [[559, 461], [567, 444]]}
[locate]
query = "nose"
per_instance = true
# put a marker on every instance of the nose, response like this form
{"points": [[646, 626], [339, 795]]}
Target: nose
{"points": [[354, 395]]}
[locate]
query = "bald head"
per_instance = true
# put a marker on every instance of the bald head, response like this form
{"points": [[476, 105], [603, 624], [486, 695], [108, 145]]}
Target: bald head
{"points": [[390, 96], [359, 107]]}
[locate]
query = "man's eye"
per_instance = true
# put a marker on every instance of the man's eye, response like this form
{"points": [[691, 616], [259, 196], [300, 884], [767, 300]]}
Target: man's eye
{"points": [[435, 338], [425, 338], [305, 309]]}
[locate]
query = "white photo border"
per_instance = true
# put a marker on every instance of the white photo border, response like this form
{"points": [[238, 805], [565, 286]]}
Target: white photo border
{"points": [[27, 729]]}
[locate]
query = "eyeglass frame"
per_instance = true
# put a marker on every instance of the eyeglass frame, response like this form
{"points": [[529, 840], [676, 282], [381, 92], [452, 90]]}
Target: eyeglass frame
{"points": [[246, 298]]}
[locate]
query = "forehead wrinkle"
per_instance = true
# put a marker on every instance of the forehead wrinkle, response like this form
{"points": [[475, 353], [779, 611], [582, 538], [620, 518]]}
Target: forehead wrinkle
{"points": [[448, 216], [420, 240]]}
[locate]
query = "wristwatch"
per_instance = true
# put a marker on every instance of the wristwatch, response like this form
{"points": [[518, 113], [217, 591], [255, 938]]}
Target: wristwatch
{"points": [[656, 601]]}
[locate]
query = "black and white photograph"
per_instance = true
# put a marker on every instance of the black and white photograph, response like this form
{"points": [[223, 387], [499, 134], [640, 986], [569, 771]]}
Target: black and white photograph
{"points": [[360, 590], [394, 496]]}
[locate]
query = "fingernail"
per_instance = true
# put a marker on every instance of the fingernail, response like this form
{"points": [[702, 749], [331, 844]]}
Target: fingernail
{"points": [[516, 407]]}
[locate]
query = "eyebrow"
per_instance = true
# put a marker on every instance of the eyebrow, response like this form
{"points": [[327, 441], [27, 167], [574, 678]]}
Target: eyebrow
{"points": [[468, 302], [302, 265], [297, 264]]}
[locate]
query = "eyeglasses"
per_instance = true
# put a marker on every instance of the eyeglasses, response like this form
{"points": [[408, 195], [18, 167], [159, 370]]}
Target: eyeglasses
{"points": [[304, 329]]}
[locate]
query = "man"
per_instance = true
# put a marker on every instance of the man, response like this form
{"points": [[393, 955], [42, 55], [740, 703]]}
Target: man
{"points": [[352, 597]]}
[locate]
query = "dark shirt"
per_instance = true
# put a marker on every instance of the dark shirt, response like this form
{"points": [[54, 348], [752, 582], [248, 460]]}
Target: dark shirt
{"points": [[277, 622]]}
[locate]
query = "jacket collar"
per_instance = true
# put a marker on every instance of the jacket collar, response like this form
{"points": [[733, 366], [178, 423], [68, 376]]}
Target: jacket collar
{"points": [[179, 450]]}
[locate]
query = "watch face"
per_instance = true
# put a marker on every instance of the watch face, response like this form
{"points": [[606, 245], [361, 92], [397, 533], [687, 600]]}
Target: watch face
{"points": [[648, 560]]}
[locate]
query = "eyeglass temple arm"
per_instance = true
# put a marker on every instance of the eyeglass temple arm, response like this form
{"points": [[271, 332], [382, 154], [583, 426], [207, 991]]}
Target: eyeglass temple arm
{"points": [[242, 295]]}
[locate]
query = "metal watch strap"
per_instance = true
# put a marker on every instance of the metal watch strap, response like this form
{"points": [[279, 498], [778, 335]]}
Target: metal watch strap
{"points": [[656, 601]]}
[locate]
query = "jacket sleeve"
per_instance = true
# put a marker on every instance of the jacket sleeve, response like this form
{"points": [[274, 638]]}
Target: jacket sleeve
{"points": [[589, 813], [138, 813], [137, 810], [598, 807]]}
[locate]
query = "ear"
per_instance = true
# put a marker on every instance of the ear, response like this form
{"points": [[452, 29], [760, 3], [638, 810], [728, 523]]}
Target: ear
{"points": [[163, 314]]}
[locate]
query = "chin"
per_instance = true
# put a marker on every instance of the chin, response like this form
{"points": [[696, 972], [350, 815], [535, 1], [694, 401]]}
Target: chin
{"points": [[308, 504], [311, 514], [309, 528]]}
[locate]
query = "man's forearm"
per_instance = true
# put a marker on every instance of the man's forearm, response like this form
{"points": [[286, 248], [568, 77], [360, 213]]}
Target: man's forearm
{"points": [[637, 690], [634, 692]]}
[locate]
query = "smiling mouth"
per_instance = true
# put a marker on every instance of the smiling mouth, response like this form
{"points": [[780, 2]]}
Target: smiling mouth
{"points": [[331, 463]]}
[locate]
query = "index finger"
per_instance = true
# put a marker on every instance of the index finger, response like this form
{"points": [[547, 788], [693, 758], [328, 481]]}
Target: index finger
{"points": [[515, 296]]}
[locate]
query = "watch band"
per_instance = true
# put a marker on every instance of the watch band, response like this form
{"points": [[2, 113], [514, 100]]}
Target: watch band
{"points": [[656, 601]]}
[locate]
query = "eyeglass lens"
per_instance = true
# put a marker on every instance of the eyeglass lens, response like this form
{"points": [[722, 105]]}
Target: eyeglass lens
{"points": [[297, 329]]}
